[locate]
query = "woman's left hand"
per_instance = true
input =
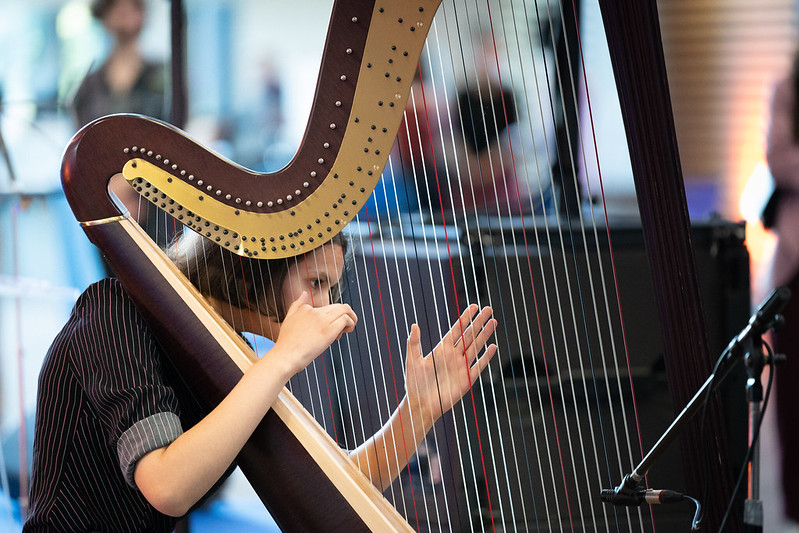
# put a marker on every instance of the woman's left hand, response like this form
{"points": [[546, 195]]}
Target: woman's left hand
{"points": [[437, 381]]}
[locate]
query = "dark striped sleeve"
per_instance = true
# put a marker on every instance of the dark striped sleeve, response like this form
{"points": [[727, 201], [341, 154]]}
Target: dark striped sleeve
{"points": [[120, 372], [144, 436]]}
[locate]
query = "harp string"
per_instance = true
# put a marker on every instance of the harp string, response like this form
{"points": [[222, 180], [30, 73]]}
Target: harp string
{"points": [[581, 292], [490, 378], [398, 328], [602, 356], [593, 290], [447, 176], [527, 252], [503, 169], [605, 295], [326, 354], [419, 136], [394, 377], [398, 494], [425, 311], [557, 290], [614, 278], [479, 169], [438, 113], [381, 397], [411, 121], [562, 245], [602, 277]]}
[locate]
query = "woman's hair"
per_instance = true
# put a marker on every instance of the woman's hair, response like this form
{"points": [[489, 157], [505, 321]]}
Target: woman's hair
{"points": [[241, 281], [100, 7]]}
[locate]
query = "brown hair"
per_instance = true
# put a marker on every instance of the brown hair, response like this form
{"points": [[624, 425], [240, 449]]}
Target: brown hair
{"points": [[240, 281], [100, 7]]}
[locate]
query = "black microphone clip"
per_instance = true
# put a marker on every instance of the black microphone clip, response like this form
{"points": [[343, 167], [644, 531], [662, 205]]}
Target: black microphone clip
{"points": [[626, 494]]}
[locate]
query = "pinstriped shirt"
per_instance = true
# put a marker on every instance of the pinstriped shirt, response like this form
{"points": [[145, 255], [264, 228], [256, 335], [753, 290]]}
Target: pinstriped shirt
{"points": [[106, 398]]}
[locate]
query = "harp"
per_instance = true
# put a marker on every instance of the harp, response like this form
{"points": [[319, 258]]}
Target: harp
{"points": [[365, 81]]}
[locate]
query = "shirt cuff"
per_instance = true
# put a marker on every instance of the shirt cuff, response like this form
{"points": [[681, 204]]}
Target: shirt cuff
{"points": [[155, 431]]}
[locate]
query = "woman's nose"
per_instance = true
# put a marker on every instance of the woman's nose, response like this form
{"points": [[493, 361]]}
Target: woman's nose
{"points": [[321, 299]]}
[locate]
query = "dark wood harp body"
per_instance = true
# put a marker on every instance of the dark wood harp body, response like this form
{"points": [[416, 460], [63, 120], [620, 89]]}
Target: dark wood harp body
{"points": [[302, 491]]}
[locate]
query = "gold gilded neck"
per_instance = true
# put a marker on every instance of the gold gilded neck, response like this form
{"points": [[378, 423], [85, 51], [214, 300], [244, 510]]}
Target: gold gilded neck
{"points": [[303, 218]]}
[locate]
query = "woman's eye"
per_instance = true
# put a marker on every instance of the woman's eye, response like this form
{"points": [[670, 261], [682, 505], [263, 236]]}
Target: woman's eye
{"points": [[314, 283]]}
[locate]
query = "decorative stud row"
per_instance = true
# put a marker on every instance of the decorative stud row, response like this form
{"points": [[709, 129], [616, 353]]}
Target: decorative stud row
{"points": [[210, 188]]}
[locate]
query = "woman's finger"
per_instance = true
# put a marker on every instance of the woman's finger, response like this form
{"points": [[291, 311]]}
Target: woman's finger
{"points": [[302, 299], [414, 342], [457, 329], [342, 324], [482, 362], [477, 324], [481, 340], [335, 310]]}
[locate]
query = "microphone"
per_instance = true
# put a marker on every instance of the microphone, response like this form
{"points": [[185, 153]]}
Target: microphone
{"points": [[639, 497], [764, 318], [628, 494]]}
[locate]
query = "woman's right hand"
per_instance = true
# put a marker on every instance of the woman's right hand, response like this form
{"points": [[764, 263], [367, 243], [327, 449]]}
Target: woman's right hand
{"points": [[307, 331]]}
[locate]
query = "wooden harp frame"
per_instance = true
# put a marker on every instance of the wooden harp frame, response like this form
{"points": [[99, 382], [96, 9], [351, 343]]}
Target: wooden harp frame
{"points": [[364, 82], [357, 110]]}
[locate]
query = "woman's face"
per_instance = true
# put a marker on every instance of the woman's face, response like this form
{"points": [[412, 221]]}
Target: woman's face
{"points": [[315, 273], [125, 19]]}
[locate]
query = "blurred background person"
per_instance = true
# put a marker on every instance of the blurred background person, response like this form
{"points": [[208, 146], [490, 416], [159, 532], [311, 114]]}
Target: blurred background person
{"points": [[782, 153], [125, 82]]}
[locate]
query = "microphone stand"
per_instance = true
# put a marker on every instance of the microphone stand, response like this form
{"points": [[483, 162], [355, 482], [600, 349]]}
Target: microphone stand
{"points": [[746, 346]]}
